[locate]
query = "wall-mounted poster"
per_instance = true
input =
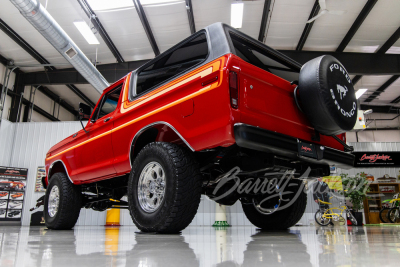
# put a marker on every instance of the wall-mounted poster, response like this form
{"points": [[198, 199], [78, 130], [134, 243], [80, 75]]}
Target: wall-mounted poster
{"points": [[12, 191], [40, 174]]}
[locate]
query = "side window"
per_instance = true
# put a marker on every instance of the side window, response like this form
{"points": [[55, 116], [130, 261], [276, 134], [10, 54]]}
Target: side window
{"points": [[109, 102], [177, 61], [259, 57]]}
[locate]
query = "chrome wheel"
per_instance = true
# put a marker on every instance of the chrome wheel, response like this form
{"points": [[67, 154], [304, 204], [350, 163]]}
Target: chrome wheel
{"points": [[54, 201], [151, 187]]}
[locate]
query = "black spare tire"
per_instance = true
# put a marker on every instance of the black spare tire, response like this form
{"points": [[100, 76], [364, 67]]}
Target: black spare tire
{"points": [[327, 95]]}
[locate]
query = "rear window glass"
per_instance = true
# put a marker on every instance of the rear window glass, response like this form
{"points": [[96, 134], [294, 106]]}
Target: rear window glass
{"points": [[259, 57], [177, 61]]}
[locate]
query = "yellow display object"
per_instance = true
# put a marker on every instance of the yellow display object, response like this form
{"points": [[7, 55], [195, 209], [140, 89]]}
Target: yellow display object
{"points": [[333, 182], [111, 242], [112, 218]]}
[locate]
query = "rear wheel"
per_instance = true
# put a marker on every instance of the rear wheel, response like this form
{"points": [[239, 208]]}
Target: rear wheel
{"points": [[383, 215], [394, 215], [278, 213], [62, 203], [164, 188], [320, 219]]}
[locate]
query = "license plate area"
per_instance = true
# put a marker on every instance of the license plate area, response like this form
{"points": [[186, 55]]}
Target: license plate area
{"points": [[308, 150]]}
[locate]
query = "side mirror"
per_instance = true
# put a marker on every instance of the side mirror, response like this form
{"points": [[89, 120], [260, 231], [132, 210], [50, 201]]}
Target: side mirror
{"points": [[84, 111]]}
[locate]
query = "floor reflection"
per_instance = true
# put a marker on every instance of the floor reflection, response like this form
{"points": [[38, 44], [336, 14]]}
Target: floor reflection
{"points": [[200, 246]]}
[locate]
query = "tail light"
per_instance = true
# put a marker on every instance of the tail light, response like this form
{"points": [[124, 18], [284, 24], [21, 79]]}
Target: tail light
{"points": [[234, 89]]}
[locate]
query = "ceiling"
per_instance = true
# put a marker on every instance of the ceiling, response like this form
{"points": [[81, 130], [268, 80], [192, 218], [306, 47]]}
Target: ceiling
{"points": [[169, 24]]}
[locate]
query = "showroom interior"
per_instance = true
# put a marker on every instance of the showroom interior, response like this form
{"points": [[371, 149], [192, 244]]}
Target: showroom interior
{"points": [[57, 57]]}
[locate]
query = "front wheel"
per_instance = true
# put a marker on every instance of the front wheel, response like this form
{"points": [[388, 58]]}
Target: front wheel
{"points": [[164, 188], [394, 215], [62, 203], [321, 219], [279, 211]]}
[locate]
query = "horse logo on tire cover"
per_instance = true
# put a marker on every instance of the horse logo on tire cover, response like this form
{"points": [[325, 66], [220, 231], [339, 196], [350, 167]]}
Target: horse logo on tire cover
{"points": [[342, 90]]}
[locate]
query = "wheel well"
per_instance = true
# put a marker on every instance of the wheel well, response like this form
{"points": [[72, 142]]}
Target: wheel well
{"points": [[155, 133], [57, 167]]}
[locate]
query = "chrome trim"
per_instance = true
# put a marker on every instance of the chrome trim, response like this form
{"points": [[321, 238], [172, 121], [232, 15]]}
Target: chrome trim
{"points": [[149, 126], [66, 170]]}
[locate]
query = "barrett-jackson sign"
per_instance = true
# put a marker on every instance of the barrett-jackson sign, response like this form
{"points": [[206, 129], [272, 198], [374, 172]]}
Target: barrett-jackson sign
{"points": [[377, 159]]}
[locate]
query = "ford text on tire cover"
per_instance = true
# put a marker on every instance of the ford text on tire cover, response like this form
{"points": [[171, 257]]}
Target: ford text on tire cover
{"points": [[214, 112]]}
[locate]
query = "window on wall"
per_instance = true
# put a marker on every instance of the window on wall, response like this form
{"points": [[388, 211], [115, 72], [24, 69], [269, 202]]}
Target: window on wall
{"points": [[177, 61], [260, 57]]}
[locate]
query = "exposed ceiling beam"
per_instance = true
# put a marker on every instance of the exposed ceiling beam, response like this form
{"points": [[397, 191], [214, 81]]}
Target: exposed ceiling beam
{"points": [[381, 89], [390, 42], [355, 63], [383, 129], [189, 9], [99, 27], [81, 95], [356, 79], [397, 100], [112, 72], [264, 20], [29, 49], [307, 28], [22, 43], [384, 48], [146, 26], [35, 107], [380, 109], [46, 91], [3, 60], [356, 25]]}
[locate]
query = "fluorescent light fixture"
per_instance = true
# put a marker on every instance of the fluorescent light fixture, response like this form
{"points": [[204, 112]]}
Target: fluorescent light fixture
{"points": [[109, 4], [103, 5], [86, 32], [360, 92], [236, 15]]}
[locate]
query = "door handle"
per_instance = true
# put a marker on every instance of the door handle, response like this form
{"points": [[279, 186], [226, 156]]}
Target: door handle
{"points": [[109, 118]]}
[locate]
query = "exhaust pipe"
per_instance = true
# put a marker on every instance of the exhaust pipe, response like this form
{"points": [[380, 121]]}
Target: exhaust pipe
{"points": [[35, 13]]}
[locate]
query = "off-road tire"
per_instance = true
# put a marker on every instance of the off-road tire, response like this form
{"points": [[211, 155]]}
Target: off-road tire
{"points": [[281, 219], [182, 189], [70, 203]]}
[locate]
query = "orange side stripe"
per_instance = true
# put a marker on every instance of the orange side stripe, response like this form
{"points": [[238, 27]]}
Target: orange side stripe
{"points": [[201, 91]]}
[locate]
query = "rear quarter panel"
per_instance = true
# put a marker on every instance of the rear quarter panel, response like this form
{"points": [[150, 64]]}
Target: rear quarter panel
{"points": [[209, 125]]}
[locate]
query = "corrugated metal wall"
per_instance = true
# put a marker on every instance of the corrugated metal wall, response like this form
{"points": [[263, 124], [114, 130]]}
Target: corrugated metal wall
{"points": [[7, 130], [25, 145]]}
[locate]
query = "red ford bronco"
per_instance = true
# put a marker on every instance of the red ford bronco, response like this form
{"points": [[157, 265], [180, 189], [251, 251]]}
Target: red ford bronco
{"points": [[174, 128]]}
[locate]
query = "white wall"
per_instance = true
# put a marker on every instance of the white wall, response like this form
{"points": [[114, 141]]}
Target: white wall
{"points": [[374, 121], [25, 145], [47, 104]]}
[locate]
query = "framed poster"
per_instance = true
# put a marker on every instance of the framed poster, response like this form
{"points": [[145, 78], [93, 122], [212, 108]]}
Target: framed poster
{"points": [[40, 174], [12, 191]]}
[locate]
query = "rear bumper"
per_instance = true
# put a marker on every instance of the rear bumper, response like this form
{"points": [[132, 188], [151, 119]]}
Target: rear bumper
{"points": [[251, 137]]}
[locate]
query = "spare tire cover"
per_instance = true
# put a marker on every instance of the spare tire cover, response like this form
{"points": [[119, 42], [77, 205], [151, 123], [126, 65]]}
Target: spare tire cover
{"points": [[327, 95]]}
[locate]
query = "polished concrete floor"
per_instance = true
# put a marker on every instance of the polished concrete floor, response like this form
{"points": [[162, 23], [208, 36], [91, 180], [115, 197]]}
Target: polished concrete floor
{"points": [[96, 246]]}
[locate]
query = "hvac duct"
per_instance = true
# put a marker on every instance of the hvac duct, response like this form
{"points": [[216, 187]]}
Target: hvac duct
{"points": [[35, 13]]}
